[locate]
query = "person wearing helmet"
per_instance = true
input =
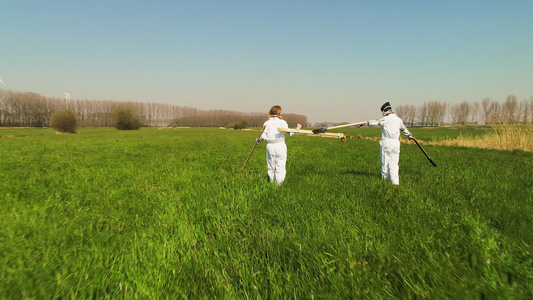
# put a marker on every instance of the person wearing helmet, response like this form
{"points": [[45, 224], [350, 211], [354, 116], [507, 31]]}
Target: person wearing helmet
{"points": [[276, 149], [391, 125]]}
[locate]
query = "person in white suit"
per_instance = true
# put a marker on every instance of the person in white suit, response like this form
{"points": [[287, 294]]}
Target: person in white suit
{"points": [[276, 149], [391, 125]]}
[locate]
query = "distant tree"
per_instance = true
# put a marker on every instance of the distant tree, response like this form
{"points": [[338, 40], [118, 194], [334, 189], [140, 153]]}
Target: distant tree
{"points": [[474, 114], [438, 111], [531, 110], [460, 113], [432, 113], [126, 118], [3, 107], [407, 113], [423, 114], [491, 111], [293, 119], [327, 124], [64, 120], [510, 111]]}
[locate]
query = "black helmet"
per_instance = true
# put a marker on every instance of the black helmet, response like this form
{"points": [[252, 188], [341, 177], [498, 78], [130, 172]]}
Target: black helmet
{"points": [[386, 107]]}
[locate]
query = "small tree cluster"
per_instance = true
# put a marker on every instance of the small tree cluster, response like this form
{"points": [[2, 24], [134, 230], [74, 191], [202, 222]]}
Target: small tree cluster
{"points": [[127, 118], [64, 120], [241, 124]]}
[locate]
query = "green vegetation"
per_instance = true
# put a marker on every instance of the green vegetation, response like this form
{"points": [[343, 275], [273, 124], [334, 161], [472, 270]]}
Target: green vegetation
{"points": [[127, 118], [434, 134], [64, 120], [168, 213]]}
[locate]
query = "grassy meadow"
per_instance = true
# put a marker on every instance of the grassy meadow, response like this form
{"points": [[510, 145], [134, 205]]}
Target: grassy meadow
{"points": [[169, 214]]}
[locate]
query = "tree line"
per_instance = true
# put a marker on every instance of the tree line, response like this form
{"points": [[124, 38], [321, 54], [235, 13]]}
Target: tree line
{"points": [[488, 112], [26, 109]]}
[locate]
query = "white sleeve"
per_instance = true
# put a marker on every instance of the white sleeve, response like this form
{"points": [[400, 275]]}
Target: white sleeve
{"points": [[374, 122], [264, 134], [405, 131], [285, 125]]}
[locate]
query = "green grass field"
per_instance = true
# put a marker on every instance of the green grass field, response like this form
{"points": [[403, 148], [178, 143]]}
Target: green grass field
{"points": [[168, 213]]}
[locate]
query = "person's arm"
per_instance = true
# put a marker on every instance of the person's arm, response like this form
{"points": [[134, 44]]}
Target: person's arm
{"points": [[298, 126], [263, 135], [372, 123], [406, 132]]}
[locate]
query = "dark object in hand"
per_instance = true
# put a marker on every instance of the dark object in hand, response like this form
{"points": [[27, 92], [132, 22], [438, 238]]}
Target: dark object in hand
{"points": [[320, 130]]}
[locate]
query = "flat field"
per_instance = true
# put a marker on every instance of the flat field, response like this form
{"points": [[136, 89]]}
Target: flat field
{"points": [[169, 214]]}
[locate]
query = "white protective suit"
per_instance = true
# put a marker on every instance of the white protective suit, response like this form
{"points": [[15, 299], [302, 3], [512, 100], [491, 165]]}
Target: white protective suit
{"points": [[276, 150], [390, 146]]}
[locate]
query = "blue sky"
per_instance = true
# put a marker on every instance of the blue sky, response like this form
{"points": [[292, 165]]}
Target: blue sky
{"points": [[330, 60]]}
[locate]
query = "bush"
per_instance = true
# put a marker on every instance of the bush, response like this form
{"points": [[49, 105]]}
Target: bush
{"points": [[64, 120], [127, 118], [241, 124]]}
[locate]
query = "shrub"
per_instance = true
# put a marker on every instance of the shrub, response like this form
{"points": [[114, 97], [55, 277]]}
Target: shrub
{"points": [[241, 124], [64, 120], [127, 118]]}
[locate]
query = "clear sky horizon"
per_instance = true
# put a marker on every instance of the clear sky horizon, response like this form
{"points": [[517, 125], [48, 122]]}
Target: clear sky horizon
{"points": [[332, 61]]}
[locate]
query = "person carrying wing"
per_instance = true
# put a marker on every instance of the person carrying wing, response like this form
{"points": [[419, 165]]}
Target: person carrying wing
{"points": [[391, 125], [276, 149]]}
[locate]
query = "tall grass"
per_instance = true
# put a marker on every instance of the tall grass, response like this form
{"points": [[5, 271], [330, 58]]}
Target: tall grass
{"points": [[503, 137], [159, 214]]}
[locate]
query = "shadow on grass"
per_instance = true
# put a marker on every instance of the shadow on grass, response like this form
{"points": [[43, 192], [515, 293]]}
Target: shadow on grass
{"points": [[363, 173]]}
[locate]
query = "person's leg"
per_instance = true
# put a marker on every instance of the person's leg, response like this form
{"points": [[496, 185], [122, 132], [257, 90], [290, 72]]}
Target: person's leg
{"points": [[394, 159], [281, 162], [384, 164], [271, 168]]}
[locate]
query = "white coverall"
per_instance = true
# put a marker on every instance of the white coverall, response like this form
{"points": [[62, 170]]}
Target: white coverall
{"points": [[390, 146], [276, 150]]}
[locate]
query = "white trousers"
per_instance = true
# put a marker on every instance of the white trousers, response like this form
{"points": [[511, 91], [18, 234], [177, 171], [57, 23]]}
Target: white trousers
{"points": [[390, 157], [276, 155]]}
